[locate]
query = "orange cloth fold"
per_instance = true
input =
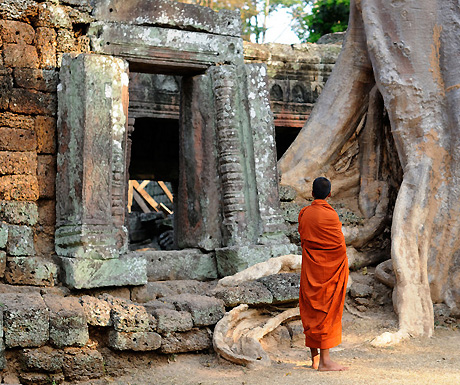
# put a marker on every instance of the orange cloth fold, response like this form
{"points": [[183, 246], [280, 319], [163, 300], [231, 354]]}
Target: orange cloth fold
{"points": [[324, 275]]}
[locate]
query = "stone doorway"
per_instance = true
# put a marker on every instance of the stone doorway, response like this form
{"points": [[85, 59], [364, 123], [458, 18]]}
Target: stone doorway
{"points": [[227, 180], [171, 138]]}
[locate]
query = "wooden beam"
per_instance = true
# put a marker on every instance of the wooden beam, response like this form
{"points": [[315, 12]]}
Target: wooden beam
{"points": [[166, 190], [143, 184], [145, 195], [140, 202], [130, 196], [165, 209]]}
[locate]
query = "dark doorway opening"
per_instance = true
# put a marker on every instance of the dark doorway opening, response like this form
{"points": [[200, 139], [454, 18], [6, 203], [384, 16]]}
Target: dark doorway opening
{"points": [[284, 137], [155, 150], [153, 174]]}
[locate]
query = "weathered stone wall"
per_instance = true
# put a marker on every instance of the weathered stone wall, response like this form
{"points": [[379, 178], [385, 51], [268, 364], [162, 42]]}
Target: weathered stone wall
{"points": [[33, 37], [297, 74], [59, 336]]}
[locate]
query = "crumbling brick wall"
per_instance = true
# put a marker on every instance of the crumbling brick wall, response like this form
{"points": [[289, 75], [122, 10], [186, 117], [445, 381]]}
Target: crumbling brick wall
{"points": [[33, 37]]}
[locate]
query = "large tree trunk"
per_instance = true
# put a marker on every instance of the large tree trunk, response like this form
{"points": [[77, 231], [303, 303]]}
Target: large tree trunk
{"points": [[336, 114], [413, 46]]}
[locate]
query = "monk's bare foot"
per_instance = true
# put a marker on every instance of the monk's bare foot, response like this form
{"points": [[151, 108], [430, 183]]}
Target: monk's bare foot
{"points": [[314, 358], [315, 362], [331, 366]]}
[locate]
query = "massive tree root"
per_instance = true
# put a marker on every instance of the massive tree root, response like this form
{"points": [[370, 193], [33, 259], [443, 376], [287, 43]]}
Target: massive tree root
{"points": [[282, 264], [409, 50], [237, 335]]}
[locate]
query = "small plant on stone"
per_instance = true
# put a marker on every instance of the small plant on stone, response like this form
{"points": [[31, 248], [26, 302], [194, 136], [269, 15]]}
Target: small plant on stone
{"points": [[172, 358]]}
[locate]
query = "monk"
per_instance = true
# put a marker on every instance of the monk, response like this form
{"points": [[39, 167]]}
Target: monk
{"points": [[324, 277]]}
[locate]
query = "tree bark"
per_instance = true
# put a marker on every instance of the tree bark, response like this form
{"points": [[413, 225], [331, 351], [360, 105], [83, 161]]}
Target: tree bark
{"points": [[336, 115], [413, 47]]}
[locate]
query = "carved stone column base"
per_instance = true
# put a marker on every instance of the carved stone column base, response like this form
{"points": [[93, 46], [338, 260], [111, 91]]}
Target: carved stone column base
{"points": [[231, 260], [91, 241], [83, 273]]}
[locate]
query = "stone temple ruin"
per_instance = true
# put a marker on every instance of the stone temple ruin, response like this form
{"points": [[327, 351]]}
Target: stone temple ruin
{"points": [[95, 94], [226, 151]]}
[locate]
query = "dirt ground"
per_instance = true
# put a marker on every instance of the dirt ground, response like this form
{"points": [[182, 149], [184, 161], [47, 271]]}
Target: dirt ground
{"points": [[413, 362]]}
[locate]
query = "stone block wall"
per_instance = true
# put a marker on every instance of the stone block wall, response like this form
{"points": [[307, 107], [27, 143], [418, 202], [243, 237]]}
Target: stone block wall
{"points": [[33, 37], [52, 335], [297, 74]]}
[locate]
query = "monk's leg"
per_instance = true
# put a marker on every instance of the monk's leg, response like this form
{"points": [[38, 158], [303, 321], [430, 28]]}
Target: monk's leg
{"points": [[326, 364], [314, 358]]}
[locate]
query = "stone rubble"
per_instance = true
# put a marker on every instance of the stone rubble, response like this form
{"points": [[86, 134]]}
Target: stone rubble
{"points": [[54, 330]]}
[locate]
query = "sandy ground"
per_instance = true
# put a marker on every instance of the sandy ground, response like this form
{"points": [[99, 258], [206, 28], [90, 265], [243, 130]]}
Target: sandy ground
{"points": [[414, 362]]}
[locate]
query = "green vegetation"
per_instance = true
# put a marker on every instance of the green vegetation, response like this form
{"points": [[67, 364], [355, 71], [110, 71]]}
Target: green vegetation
{"points": [[311, 18], [326, 16]]}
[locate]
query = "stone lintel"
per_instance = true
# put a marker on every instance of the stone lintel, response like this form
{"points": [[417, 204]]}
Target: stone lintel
{"points": [[173, 50], [170, 14], [294, 122], [155, 111], [289, 114], [231, 260], [91, 273], [154, 96]]}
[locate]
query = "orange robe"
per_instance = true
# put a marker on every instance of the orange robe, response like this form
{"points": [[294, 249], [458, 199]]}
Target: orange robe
{"points": [[324, 275]]}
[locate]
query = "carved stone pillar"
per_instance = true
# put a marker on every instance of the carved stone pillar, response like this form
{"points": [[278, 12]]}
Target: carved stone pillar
{"points": [[90, 187], [272, 224], [229, 124], [252, 224], [198, 210]]}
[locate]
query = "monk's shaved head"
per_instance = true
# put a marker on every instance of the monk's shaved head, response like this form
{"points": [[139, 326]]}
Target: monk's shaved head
{"points": [[321, 188]]}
